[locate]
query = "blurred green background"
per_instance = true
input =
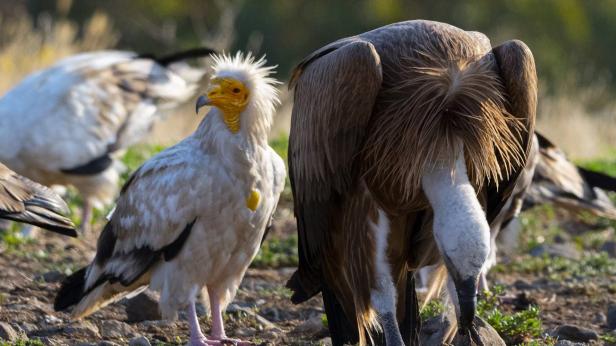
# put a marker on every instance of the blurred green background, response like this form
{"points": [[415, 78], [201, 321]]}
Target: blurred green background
{"points": [[570, 38]]}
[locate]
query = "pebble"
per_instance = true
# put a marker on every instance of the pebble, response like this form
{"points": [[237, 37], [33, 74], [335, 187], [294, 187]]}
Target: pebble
{"points": [[7, 332], [143, 307], [575, 333], [113, 329], [139, 341]]}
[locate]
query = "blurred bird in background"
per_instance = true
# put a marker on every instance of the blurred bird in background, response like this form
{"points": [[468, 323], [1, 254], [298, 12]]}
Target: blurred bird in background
{"points": [[194, 215], [23, 200], [66, 125]]}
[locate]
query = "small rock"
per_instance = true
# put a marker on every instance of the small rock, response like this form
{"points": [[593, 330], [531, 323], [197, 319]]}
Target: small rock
{"points": [[245, 332], [523, 285], [599, 319], [139, 341], [112, 329], [84, 329], [609, 247], [556, 250], [143, 307], [107, 343], [51, 276], [52, 320], [313, 326], [325, 342], [569, 343], [575, 333], [433, 332], [611, 316], [7, 332]]}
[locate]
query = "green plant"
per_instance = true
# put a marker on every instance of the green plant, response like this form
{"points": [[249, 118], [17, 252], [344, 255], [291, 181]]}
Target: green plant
{"points": [[514, 328], [277, 252], [432, 309]]}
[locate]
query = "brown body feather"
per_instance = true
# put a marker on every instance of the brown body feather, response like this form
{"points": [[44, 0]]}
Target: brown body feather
{"points": [[372, 114]]}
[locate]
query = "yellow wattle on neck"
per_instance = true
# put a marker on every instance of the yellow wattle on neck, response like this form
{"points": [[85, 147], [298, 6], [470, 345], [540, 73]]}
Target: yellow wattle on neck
{"points": [[232, 120]]}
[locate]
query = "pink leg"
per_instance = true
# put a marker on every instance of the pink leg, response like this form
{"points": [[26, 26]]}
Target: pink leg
{"points": [[86, 217], [196, 336], [218, 328]]}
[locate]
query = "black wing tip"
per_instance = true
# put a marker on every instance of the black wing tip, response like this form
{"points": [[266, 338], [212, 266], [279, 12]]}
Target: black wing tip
{"points": [[71, 291], [299, 294], [95, 166], [181, 55]]}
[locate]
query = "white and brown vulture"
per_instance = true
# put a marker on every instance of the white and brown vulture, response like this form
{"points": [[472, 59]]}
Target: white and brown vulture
{"points": [[23, 200], [194, 215], [549, 177], [559, 181], [63, 125], [406, 141]]}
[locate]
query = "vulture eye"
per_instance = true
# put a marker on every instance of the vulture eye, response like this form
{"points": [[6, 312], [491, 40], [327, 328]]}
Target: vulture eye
{"points": [[236, 90]]}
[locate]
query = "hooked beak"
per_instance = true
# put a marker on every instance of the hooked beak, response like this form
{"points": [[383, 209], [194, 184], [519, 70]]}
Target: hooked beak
{"points": [[202, 101], [467, 300]]}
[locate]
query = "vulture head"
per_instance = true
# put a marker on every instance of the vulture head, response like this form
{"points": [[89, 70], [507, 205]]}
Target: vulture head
{"points": [[242, 91]]}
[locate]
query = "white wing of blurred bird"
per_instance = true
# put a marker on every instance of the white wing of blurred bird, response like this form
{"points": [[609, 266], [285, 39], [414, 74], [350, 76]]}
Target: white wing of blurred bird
{"points": [[25, 201], [63, 124], [195, 214]]}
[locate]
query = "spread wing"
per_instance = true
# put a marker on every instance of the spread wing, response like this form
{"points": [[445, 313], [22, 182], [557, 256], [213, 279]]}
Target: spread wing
{"points": [[26, 201], [85, 107], [517, 69], [325, 138]]}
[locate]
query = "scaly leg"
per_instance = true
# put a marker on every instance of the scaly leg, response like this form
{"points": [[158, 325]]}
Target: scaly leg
{"points": [[86, 217], [196, 336], [218, 328]]}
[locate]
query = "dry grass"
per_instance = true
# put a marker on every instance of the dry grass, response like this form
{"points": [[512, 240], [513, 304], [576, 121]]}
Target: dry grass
{"points": [[28, 46]]}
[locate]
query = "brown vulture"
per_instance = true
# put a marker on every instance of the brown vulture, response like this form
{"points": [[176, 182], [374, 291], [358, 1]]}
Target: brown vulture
{"points": [[23, 200], [406, 142]]}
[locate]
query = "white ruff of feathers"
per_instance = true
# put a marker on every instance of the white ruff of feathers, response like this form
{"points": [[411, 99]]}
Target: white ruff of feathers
{"points": [[256, 119]]}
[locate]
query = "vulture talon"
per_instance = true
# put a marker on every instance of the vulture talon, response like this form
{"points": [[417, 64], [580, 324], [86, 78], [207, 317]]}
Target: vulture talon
{"points": [[475, 337]]}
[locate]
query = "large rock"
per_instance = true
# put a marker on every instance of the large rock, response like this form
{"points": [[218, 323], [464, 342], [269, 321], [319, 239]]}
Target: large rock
{"points": [[611, 316], [575, 333], [433, 332], [143, 307], [7, 333], [112, 329], [566, 250], [83, 329]]}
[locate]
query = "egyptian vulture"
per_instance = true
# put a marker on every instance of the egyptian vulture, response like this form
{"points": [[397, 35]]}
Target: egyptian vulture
{"points": [[23, 200], [406, 142], [194, 215], [63, 125]]}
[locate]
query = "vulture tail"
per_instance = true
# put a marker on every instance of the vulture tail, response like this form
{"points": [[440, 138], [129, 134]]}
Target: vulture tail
{"points": [[167, 60], [72, 293]]}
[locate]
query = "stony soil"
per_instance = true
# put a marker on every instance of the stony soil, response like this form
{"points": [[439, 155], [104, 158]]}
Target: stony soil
{"points": [[261, 312]]}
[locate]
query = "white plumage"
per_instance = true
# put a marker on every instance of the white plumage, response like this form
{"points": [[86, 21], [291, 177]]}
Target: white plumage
{"points": [[185, 219], [62, 125]]}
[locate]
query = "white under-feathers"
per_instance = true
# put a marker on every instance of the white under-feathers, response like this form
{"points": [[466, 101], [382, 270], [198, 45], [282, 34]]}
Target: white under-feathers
{"points": [[206, 178], [83, 107]]}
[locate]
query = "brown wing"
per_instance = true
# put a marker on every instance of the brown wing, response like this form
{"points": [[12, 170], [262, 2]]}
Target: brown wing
{"points": [[26, 201], [517, 69], [335, 91]]}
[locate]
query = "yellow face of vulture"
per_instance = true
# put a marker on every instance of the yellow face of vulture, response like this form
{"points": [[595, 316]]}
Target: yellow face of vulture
{"points": [[230, 96]]}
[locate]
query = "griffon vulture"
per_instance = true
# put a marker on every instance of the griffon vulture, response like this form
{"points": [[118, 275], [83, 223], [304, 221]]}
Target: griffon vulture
{"points": [[63, 125], [23, 200], [194, 215], [406, 141]]}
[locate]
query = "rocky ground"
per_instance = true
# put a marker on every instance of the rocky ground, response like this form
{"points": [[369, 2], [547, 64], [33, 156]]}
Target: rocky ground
{"points": [[555, 287]]}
